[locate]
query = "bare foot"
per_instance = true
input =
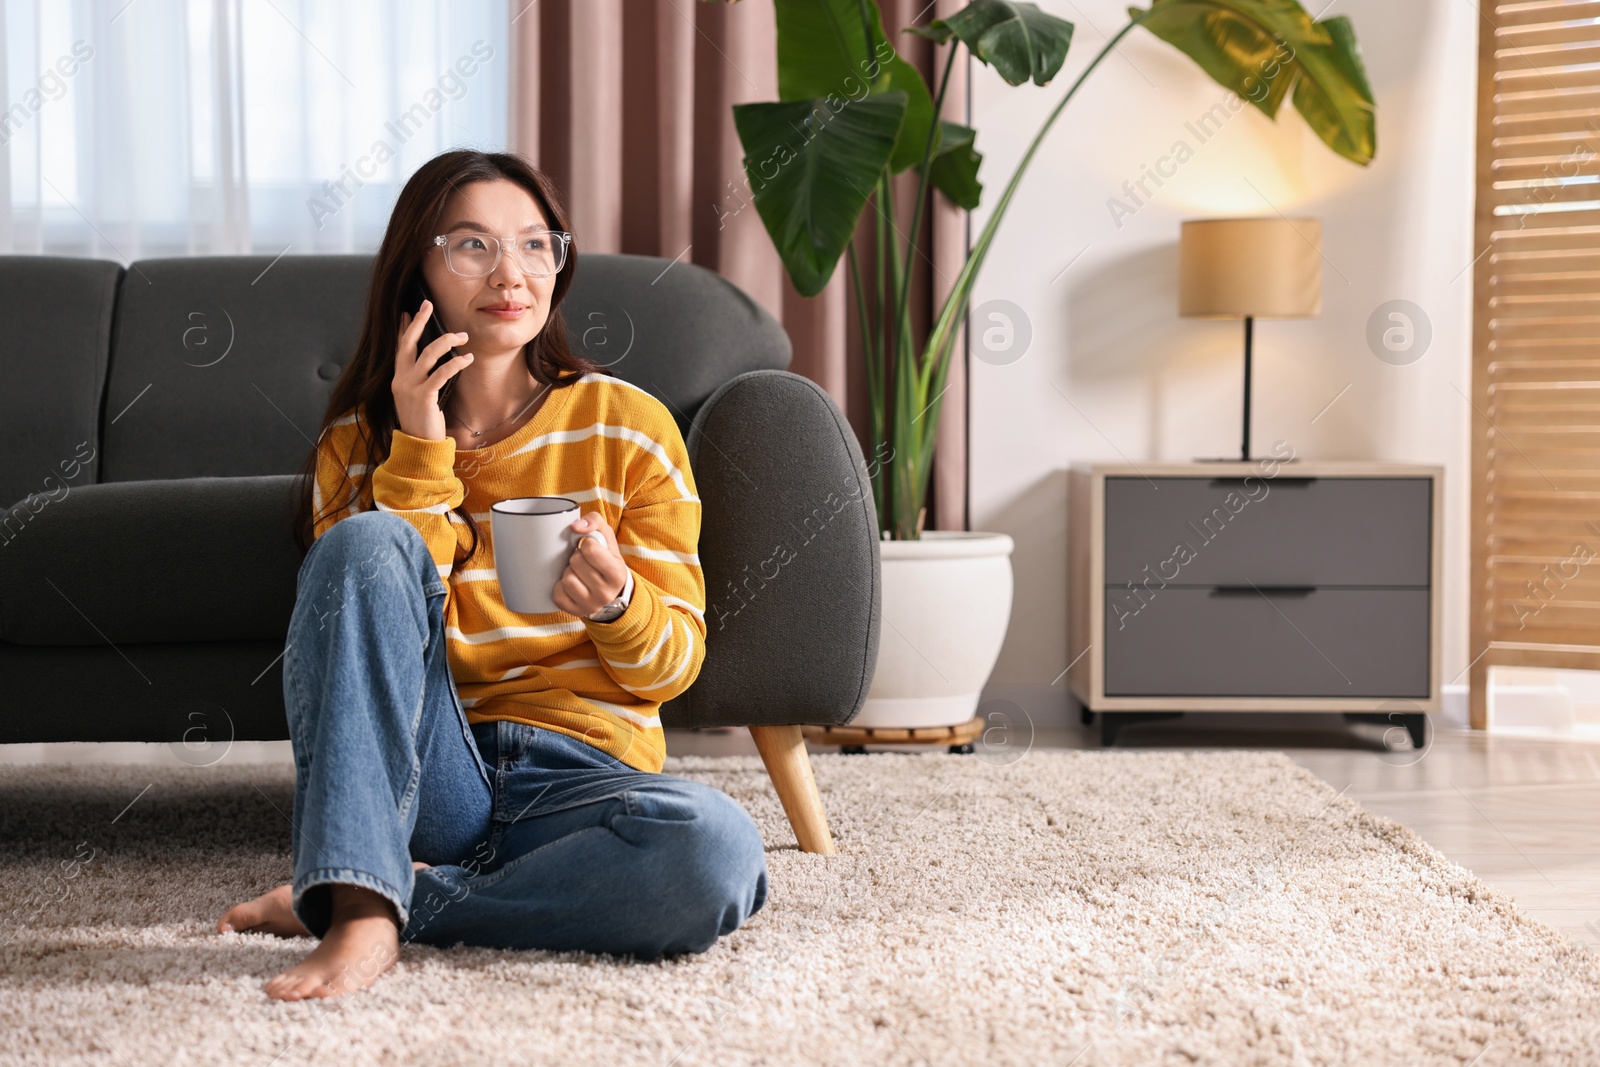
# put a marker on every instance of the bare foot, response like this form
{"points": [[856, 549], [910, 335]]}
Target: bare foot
{"points": [[361, 943], [349, 958], [271, 913]]}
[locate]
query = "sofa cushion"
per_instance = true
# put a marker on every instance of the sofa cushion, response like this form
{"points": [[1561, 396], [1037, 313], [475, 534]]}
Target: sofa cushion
{"points": [[221, 366], [191, 559], [53, 362]]}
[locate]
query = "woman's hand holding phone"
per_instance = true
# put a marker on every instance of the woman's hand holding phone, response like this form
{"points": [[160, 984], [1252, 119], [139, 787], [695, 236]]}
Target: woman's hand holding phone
{"points": [[418, 376]]}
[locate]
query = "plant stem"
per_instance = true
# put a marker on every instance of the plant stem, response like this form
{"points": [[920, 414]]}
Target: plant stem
{"points": [[904, 371], [969, 270], [880, 327], [902, 309], [866, 28], [941, 339], [874, 384]]}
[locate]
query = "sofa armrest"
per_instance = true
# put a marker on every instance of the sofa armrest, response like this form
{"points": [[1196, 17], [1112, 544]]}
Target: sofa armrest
{"points": [[788, 545], [190, 559]]}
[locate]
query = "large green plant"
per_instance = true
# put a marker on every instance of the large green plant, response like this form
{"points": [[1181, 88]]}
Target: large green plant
{"points": [[852, 113]]}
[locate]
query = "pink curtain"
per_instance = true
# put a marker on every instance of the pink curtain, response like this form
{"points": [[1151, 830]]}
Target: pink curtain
{"points": [[632, 116]]}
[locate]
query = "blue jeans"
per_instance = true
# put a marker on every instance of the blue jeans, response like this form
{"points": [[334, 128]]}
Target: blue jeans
{"points": [[536, 839]]}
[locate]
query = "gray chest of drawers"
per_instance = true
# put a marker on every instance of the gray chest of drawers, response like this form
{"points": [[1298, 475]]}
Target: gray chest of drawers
{"points": [[1264, 586]]}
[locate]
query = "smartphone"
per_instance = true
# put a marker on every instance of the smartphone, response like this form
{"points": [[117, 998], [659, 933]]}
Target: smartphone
{"points": [[416, 292]]}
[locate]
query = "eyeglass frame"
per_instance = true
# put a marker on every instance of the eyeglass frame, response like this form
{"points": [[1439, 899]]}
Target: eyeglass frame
{"points": [[500, 251]]}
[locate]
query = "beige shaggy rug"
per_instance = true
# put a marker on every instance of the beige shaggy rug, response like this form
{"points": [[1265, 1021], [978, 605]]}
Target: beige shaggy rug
{"points": [[1084, 908]]}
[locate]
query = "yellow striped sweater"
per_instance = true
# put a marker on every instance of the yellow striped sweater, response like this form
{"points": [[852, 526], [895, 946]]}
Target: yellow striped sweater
{"points": [[610, 446]]}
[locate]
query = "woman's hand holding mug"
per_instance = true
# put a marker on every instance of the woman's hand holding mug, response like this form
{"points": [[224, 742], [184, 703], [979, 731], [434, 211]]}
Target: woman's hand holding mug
{"points": [[417, 381], [596, 572]]}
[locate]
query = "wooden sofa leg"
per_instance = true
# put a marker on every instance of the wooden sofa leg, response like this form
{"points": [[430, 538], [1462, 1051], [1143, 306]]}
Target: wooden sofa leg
{"points": [[783, 750]]}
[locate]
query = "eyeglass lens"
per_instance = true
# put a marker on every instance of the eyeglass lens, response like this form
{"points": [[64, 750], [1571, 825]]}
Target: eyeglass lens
{"points": [[476, 254]]}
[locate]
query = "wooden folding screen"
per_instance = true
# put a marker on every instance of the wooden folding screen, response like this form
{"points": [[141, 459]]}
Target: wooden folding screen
{"points": [[1536, 342]]}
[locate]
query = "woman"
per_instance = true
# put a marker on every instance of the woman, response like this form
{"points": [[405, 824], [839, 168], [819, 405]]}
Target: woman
{"points": [[528, 810]]}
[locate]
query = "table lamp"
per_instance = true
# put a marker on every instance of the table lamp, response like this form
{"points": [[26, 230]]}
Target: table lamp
{"points": [[1250, 268]]}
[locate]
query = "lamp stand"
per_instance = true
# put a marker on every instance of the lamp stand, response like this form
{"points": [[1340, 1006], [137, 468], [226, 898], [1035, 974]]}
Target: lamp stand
{"points": [[1249, 333], [1244, 445]]}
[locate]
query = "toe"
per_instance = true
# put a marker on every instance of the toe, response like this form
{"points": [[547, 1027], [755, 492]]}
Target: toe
{"points": [[288, 986]]}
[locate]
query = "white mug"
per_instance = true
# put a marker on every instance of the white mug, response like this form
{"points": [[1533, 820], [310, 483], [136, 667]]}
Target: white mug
{"points": [[533, 539]]}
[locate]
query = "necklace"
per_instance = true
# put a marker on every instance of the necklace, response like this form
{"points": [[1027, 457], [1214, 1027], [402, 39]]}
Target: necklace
{"points": [[508, 418]]}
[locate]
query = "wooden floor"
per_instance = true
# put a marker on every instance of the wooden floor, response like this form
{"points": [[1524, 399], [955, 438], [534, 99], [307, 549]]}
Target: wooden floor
{"points": [[1524, 815]]}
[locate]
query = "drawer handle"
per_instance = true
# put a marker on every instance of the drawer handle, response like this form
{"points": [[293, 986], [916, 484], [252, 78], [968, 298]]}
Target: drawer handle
{"points": [[1278, 479], [1293, 590]]}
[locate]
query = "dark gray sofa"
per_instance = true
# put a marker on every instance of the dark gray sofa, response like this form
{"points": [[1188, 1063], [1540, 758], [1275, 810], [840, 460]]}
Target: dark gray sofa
{"points": [[153, 416]]}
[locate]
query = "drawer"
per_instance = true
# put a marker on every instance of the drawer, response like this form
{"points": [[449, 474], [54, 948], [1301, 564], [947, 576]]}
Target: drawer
{"points": [[1281, 530], [1318, 643]]}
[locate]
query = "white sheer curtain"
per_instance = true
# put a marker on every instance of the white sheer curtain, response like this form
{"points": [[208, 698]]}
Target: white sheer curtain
{"points": [[137, 128]]}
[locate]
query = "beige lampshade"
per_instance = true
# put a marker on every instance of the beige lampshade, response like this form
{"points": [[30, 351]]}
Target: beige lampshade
{"points": [[1269, 268]]}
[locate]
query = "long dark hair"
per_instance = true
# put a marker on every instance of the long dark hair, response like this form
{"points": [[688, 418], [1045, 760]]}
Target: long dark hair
{"points": [[366, 382]]}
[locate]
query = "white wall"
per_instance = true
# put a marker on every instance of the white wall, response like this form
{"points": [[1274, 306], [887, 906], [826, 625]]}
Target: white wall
{"points": [[1148, 385]]}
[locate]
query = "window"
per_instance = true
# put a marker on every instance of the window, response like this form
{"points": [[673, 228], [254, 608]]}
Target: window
{"points": [[187, 127]]}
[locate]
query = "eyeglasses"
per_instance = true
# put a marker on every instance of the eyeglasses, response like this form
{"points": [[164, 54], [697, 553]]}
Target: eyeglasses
{"points": [[473, 254]]}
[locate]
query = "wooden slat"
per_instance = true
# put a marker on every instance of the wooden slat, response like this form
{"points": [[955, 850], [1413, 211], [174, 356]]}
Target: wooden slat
{"points": [[1537, 631], [1540, 12], [1511, 472], [1516, 654], [1541, 78], [1524, 177], [1541, 57], [1543, 261], [1541, 38], [1531, 374], [1534, 99]]}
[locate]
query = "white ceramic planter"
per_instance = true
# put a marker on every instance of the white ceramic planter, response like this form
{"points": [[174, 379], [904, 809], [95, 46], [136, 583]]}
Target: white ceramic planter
{"points": [[946, 606]]}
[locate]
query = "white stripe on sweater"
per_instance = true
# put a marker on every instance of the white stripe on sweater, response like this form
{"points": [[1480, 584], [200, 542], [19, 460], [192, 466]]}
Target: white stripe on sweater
{"points": [[631, 714], [573, 663], [683, 665], [659, 553], [698, 613], [625, 433], [616, 709], [501, 633], [432, 509], [665, 633], [598, 492]]}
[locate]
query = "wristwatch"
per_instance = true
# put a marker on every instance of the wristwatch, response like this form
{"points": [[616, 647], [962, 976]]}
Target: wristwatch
{"points": [[617, 606]]}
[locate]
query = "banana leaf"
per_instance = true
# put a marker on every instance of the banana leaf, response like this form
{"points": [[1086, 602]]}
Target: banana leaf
{"points": [[1266, 50], [811, 172]]}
